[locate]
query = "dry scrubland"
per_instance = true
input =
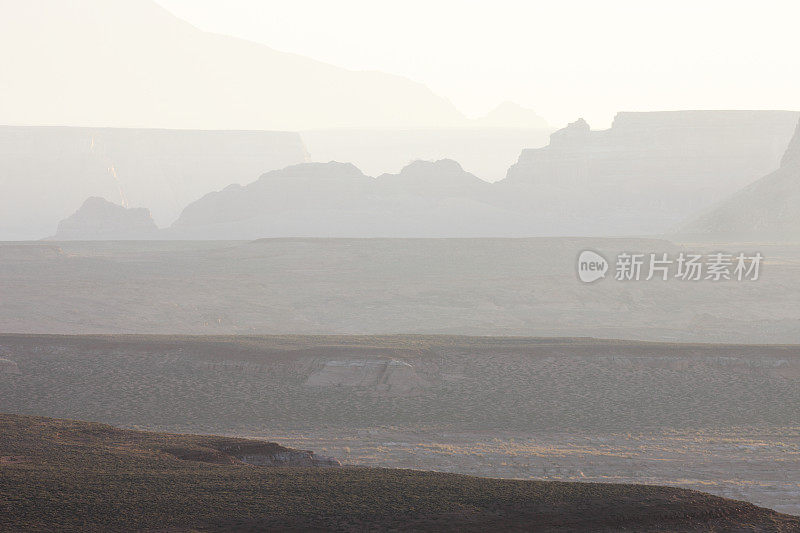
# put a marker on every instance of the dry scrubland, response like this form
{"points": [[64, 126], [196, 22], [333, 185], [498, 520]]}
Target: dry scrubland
{"points": [[374, 286], [152, 482], [720, 418]]}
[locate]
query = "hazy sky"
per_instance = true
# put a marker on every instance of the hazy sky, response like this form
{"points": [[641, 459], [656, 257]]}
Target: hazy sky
{"points": [[564, 59]]}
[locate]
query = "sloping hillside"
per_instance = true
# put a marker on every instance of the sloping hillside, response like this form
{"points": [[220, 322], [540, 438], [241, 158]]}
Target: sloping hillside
{"points": [[767, 211], [73, 476], [131, 63]]}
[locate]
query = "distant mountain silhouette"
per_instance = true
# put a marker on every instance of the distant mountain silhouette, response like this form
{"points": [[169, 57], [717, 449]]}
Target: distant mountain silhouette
{"points": [[650, 171], [47, 172], [432, 199], [482, 149], [638, 178], [99, 219], [768, 210], [130, 63]]}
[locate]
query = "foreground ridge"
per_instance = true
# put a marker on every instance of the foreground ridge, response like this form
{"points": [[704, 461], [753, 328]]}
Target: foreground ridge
{"points": [[68, 476]]}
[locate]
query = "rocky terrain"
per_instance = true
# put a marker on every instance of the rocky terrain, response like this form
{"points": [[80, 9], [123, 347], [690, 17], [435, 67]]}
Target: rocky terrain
{"points": [[767, 210], [633, 179], [650, 171], [76, 476], [46, 173], [370, 286], [99, 219], [641, 177], [717, 418]]}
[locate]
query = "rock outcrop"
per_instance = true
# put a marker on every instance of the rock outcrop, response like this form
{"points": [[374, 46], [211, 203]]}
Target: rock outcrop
{"points": [[650, 171], [99, 219], [484, 150], [432, 179], [766, 211], [380, 375], [426, 199], [45, 172]]}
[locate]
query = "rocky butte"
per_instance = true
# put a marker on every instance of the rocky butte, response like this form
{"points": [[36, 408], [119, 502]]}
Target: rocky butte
{"points": [[99, 219]]}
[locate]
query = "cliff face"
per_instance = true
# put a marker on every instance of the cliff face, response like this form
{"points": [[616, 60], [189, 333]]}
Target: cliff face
{"points": [[46, 172], [651, 170], [99, 219], [768, 210]]}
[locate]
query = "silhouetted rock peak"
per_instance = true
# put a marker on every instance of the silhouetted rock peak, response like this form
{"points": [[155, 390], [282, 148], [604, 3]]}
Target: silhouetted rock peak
{"points": [[443, 165], [579, 128], [99, 219], [330, 170], [443, 168]]}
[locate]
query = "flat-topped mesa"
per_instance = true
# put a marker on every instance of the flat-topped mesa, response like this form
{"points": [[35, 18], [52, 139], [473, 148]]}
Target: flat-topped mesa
{"points": [[99, 219], [653, 169]]}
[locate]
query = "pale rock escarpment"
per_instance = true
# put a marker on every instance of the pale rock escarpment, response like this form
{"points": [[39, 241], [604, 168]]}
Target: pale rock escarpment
{"points": [[382, 375]]}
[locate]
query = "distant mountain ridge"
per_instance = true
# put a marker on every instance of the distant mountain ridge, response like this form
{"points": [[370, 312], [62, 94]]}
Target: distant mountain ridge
{"points": [[435, 199], [651, 170], [131, 63], [46, 172], [641, 177]]}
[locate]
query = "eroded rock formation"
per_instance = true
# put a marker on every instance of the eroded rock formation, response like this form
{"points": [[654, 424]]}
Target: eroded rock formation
{"points": [[99, 219]]}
